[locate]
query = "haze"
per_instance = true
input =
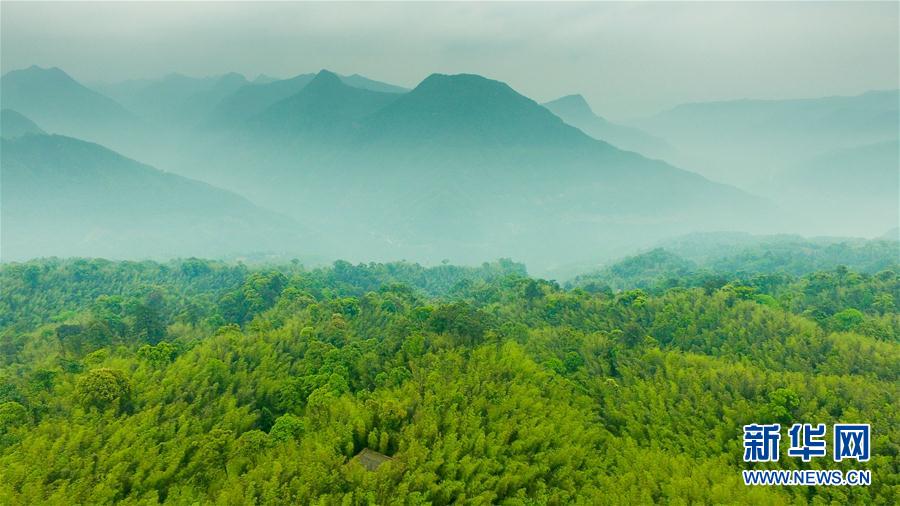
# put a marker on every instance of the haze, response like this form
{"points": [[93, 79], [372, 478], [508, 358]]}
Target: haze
{"points": [[558, 135], [628, 60]]}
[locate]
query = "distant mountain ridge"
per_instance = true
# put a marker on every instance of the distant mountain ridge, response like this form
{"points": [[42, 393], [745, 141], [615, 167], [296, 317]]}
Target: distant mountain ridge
{"points": [[465, 167], [469, 108], [67, 197], [175, 100], [14, 124], [254, 99], [324, 107], [459, 162], [61, 104], [574, 110], [750, 141]]}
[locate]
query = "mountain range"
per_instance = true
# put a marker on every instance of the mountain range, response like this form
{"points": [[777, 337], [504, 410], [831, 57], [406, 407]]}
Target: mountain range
{"points": [[750, 142], [13, 124], [459, 164], [64, 196], [574, 110], [175, 100], [460, 167], [61, 104]]}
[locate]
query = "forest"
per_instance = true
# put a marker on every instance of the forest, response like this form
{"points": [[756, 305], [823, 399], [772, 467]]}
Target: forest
{"points": [[205, 382]]}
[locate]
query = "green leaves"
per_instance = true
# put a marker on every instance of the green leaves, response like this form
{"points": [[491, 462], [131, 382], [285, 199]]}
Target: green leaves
{"points": [[501, 390], [104, 388]]}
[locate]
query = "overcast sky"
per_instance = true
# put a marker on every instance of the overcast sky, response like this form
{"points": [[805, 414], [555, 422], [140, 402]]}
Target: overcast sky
{"points": [[627, 59]]}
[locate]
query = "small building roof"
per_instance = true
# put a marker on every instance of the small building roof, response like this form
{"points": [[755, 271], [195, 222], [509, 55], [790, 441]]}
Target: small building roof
{"points": [[370, 459]]}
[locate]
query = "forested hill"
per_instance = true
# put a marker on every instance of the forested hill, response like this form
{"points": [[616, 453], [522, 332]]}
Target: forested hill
{"points": [[714, 258], [200, 382], [62, 196]]}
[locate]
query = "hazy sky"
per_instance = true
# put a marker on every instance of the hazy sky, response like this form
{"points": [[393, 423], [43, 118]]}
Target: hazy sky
{"points": [[627, 59]]}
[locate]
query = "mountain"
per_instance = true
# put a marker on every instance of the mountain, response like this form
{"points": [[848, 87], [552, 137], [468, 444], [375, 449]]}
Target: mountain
{"points": [[324, 108], [749, 142], [264, 79], [460, 167], [176, 99], [645, 271], [13, 124], [252, 100], [574, 110], [67, 197], [358, 81], [469, 109], [63, 105]]}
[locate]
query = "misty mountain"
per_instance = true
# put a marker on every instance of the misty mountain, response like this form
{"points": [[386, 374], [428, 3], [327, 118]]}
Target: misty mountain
{"points": [[462, 167], [265, 78], [13, 124], [252, 100], [63, 196], [644, 271], [175, 99], [703, 258], [326, 107], [445, 110], [358, 81], [60, 104], [749, 142], [574, 110]]}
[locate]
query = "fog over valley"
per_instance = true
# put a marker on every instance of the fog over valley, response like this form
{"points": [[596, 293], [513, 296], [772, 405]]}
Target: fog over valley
{"points": [[449, 253], [322, 165]]}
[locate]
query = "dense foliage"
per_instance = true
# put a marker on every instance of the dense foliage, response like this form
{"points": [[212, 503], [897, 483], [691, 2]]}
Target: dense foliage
{"points": [[200, 382]]}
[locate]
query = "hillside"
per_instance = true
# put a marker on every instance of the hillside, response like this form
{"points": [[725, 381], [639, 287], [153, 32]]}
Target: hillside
{"points": [[324, 108], [747, 142], [63, 196], [197, 382], [62, 105], [574, 110], [703, 259], [13, 124], [460, 167], [175, 100], [254, 99]]}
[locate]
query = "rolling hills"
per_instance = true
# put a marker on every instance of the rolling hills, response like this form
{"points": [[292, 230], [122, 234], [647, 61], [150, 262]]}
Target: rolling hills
{"points": [[460, 166], [67, 197]]}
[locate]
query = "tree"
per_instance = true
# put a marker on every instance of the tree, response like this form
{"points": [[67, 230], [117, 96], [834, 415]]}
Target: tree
{"points": [[104, 388], [847, 319], [286, 427], [12, 414]]}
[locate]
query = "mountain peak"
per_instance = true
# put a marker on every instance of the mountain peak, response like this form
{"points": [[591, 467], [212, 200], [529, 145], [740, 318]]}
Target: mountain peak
{"points": [[467, 107], [470, 92], [61, 104], [231, 79], [461, 83], [572, 102], [35, 73], [324, 81], [326, 76], [572, 108], [325, 105]]}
